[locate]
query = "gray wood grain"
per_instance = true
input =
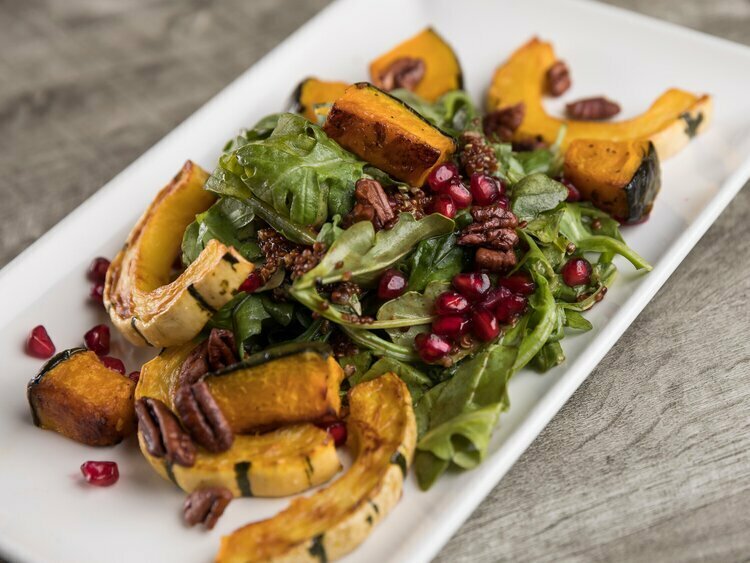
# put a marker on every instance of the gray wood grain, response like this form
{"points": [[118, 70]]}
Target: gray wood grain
{"points": [[648, 461]]}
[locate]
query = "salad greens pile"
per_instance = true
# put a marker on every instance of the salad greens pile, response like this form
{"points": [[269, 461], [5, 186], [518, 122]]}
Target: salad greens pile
{"points": [[285, 173]]}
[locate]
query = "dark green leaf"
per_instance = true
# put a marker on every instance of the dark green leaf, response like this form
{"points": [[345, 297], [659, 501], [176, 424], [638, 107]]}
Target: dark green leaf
{"points": [[415, 380], [436, 259], [536, 193]]}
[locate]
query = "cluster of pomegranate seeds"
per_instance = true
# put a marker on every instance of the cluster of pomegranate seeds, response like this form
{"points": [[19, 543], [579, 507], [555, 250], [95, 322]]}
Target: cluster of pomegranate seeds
{"points": [[113, 363], [252, 283], [97, 340], [39, 344], [337, 431], [392, 284], [486, 190], [576, 271], [134, 376], [452, 194], [97, 273], [473, 307], [573, 193], [100, 473]]}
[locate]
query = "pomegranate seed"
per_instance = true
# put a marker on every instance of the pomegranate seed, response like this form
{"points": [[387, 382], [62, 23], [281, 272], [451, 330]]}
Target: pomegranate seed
{"points": [[503, 202], [473, 286], [573, 193], [576, 271], [444, 205], [451, 326], [431, 347], [392, 284], [458, 193], [441, 176], [134, 376], [509, 307], [100, 473], [97, 292], [39, 344], [495, 295], [98, 269], [484, 189], [97, 340], [252, 283], [484, 324], [337, 431], [113, 363], [450, 302], [519, 282]]}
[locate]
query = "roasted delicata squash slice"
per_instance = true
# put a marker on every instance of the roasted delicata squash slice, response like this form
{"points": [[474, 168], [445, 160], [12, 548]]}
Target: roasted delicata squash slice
{"points": [[670, 123], [76, 395], [387, 133], [335, 520], [620, 177], [142, 303], [284, 462], [288, 384], [441, 71], [312, 97]]}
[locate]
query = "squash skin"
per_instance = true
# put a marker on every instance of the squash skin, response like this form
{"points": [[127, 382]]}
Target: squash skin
{"points": [[75, 395], [142, 303], [387, 133], [335, 520], [442, 69], [279, 463], [622, 178], [311, 92], [666, 123]]}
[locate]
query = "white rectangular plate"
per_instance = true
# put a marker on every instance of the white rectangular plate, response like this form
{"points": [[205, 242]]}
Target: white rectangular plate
{"points": [[47, 514]]}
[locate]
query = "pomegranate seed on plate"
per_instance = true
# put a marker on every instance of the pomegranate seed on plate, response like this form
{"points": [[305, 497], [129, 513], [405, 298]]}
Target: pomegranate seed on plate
{"points": [[100, 473], [473, 285], [451, 326], [97, 292], [509, 307], [450, 302], [484, 324], [97, 340], [484, 189], [98, 269], [113, 363], [431, 347], [444, 205], [441, 176], [252, 283], [39, 344], [392, 284], [134, 376], [576, 271], [520, 282], [458, 193]]}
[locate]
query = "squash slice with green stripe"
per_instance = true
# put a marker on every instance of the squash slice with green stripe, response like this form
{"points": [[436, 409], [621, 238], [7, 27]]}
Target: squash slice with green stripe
{"points": [[335, 520], [144, 304]]}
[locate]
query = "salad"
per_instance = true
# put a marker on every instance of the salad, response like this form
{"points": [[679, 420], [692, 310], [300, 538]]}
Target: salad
{"points": [[369, 269]]}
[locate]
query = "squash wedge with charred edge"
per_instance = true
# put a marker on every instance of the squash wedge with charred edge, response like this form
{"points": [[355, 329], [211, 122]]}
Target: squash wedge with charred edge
{"points": [[288, 384], [442, 69], [670, 123], [622, 178], [312, 93], [279, 463], [142, 303], [76, 395], [387, 133], [335, 520]]}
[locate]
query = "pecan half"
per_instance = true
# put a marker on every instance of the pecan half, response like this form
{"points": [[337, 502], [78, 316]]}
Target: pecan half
{"points": [[592, 109], [558, 79], [162, 432], [495, 260], [370, 192], [205, 506], [502, 123], [477, 156], [221, 349], [494, 232], [405, 72]]}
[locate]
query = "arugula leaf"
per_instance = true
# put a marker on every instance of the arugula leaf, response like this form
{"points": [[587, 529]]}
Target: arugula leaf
{"points": [[536, 193], [297, 170], [415, 380], [543, 321], [378, 346], [261, 130], [415, 306], [360, 363], [576, 320], [436, 259], [548, 357], [453, 112]]}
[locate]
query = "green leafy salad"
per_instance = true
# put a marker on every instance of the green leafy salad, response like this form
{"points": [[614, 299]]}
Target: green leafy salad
{"points": [[454, 286]]}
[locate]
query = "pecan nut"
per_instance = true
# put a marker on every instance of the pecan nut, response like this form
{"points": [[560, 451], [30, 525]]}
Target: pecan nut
{"points": [[494, 232], [592, 109], [477, 156], [404, 72], [205, 506], [162, 433], [221, 349], [372, 205], [502, 123], [558, 79], [495, 260]]}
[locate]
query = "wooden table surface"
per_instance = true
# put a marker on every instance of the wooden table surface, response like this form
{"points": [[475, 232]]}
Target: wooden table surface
{"points": [[650, 458]]}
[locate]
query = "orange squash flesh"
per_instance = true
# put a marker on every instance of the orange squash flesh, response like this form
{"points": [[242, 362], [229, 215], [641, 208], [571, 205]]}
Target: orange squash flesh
{"points": [[312, 92], [442, 69]]}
